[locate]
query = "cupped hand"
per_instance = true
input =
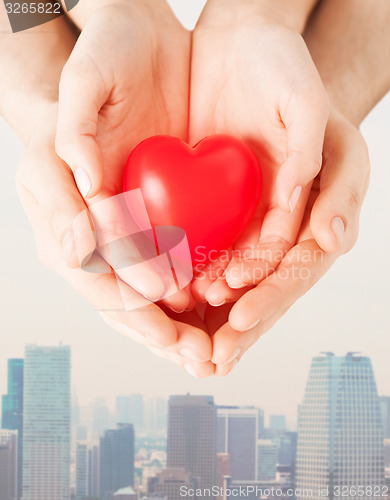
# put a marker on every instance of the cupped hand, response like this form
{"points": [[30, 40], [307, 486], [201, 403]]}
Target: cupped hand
{"points": [[126, 80], [52, 201], [337, 195], [254, 78]]}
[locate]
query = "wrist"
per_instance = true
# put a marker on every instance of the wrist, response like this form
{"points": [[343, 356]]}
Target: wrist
{"points": [[292, 14]]}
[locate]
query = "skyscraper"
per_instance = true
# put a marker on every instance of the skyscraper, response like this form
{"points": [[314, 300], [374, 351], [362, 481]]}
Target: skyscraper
{"points": [[81, 471], [156, 414], [277, 422], [267, 460], [12, 410], [385, 412], [116, 459], [192, 437], [46, 423], [130, 409], [237, 430], [8, 464], [340, 436]]}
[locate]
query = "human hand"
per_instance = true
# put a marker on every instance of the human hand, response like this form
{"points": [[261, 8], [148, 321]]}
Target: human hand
{"points": [[338, 192], [51, 200], [126, 80], [253, 78]]}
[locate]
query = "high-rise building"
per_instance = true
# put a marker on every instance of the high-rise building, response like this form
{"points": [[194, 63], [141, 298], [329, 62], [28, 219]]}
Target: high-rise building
{"points": [[12, 410], [130, 410], [385, 412], [94, 471], [87, 470], [340, 435], [8, 464], [81, 471], [100, 417], [260, 422], [171, 484], [237, 430], [116, 459], [277, 422], [192, 437], [156, 414], [267, 459], [46, 423]]}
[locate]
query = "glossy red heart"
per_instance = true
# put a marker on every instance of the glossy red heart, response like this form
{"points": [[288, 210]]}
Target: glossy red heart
{"points": [[211, 190]]}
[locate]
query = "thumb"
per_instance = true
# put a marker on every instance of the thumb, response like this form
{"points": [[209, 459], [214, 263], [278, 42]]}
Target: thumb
{"points": [[82, 93], [305, 137]]}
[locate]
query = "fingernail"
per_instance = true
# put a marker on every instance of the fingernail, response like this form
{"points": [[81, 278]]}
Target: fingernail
{"points": [[178, 311], [188, 353], [217, 305], [68, 245], [190, 369], [82, 181], [233, 356], [338, 228], [252, 325], [294, 198]]}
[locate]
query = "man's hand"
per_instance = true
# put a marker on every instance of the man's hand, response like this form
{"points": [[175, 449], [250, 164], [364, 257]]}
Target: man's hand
{"points": [[126, 80], [51, 200]]}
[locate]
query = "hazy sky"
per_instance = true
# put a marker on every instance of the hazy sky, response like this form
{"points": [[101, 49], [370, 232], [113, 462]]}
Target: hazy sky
{"points": [[348, 310]]}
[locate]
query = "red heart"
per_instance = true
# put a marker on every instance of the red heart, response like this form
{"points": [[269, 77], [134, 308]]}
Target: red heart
{"points": [[211, 190]]}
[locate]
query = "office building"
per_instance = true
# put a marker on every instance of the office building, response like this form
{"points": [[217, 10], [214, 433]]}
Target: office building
{"points": [[277, 422], [156, 414], [130, 410], [340, 435], [267, 459], [385, 413], [12, 410], [116, 459], [170, 482], [46, 423], [237, 430], [192, 437], [8, 464]]}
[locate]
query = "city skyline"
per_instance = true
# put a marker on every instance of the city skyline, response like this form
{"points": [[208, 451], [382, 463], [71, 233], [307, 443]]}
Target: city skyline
{"points": [[343, 425]]}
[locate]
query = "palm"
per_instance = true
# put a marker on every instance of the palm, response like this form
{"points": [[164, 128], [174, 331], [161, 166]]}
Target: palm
{"points": [[233, 93], [149, 94]]}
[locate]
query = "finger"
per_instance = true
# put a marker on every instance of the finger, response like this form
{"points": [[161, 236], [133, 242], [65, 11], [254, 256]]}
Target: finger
{"points": [[53, 188], [344, 182], [206, 275], [82, 93], [270, 243], [301, 268], [220, 293], [305, 120], [101, 290]]}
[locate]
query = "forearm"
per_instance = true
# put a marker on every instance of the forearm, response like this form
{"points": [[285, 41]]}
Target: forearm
{"points": [[291, 13], [350, 44], [81, 13], [30, 66]]}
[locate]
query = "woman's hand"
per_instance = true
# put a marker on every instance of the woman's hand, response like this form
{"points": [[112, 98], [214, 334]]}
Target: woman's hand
{"points": [[337, 193], [253, 78]]}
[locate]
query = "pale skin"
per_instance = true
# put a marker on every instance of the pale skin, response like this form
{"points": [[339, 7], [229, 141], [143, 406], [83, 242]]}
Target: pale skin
{"points": [[345, 157]]}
